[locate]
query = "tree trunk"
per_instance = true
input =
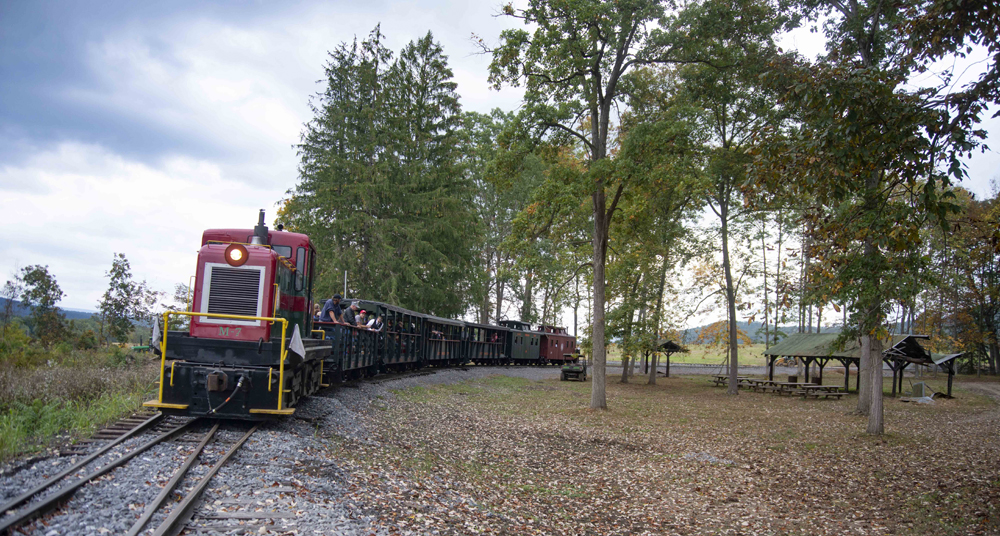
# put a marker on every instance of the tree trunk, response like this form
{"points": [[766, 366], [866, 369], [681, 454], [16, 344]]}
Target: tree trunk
{"points": [[545, 305], [526, 299], [778, 302], [500, 289], [763, 256], [864, 376], [730, 301], [875, 413], [651, 380], [576, 306], [598, 397]]}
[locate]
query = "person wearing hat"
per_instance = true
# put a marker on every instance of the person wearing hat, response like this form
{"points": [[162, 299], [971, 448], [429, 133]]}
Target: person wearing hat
{"points": [[332, 312], [350, 314]]}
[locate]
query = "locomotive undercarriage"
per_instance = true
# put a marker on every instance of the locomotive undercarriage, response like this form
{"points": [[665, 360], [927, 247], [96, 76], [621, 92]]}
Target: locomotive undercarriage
{"points": [[237, 379], [202, 390]]}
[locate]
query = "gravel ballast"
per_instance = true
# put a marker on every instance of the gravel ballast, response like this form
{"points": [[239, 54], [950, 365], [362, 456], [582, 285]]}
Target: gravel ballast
{"points": [[284, 470]]}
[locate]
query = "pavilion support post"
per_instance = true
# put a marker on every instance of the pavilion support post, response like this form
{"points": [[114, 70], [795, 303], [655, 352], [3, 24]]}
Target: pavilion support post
{"points": [[857, 380], [901, 371], [808, 364], [951, 375], [892, 366], [847, 375], [819, 379], [770, 367]]}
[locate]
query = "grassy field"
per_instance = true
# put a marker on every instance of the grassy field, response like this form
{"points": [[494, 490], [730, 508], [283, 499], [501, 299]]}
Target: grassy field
{"points": [[752, 355], [46, 406], [513, 456]]}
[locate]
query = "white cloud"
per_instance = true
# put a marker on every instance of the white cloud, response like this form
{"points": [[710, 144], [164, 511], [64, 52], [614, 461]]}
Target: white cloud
{"points": [[239, 93], [98, 203]]}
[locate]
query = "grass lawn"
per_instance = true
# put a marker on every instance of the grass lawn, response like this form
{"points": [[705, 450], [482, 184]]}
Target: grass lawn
{"points": [[752, 355], [514, 456]]}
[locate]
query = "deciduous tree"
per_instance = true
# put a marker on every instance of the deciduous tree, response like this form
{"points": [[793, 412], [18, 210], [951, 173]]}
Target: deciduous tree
{"points": [[126, 301], [41, 294]]}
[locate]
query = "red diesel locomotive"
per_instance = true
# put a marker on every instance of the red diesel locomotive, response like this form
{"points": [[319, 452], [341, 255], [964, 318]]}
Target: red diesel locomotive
{"points": [[248, 351]]}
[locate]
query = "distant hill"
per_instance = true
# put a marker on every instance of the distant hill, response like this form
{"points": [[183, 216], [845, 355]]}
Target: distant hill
{"points": [[753, 329], [71, 314]]}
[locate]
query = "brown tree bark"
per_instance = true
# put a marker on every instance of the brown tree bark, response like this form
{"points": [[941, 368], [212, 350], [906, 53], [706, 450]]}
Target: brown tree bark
{"points": [[875, 412], [598, 396]]}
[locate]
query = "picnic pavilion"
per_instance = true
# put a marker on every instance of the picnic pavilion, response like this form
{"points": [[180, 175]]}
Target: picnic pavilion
{"points": [[668, 348], [899, 352]]}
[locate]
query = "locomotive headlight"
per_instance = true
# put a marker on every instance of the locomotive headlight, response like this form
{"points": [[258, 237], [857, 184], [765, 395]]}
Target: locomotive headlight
{"points": [[236, 255]]}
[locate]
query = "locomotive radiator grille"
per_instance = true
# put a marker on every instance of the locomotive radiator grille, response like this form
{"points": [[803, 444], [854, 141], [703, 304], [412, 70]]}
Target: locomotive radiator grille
{"points": [[232, 291]]}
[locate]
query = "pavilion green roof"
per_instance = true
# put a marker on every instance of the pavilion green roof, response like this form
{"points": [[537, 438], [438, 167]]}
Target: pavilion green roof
{"points": [[823, 345]]}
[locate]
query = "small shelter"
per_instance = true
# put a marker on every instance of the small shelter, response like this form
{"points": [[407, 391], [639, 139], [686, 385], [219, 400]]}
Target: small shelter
{"points": [[899, 351], [669, 348]]}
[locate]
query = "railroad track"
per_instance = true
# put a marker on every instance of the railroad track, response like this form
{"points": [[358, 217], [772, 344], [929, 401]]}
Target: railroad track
{"points": [[48, 495]]}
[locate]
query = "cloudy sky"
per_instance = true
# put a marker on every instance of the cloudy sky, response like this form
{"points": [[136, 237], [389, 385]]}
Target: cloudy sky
{"points": [[132, 126]]}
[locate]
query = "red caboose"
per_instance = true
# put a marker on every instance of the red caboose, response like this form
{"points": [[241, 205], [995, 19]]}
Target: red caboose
{"points": [[557, 346]]}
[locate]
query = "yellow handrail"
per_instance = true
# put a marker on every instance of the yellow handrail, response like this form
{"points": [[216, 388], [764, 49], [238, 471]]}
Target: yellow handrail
{"points": [[281, 363]]}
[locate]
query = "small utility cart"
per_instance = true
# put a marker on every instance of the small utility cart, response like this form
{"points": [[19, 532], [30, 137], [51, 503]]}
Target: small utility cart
{"points": [[575, 371]]}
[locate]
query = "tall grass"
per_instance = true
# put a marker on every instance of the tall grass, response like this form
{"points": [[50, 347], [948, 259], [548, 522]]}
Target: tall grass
{"points": [[71, 395]]}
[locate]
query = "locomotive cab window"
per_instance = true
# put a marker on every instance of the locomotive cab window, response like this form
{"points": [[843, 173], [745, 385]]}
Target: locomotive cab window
{"points": [[284, 251], [300, 268]]}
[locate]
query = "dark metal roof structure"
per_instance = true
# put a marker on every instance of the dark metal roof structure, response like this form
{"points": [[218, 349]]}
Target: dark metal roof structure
{"points": [[666, 345]]}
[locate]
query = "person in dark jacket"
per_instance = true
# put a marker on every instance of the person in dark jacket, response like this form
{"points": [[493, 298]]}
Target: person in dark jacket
{"points": [[332, 312], [350, 314]]}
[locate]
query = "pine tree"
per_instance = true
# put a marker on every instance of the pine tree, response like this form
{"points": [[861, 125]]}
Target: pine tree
{"points": [[381, 190]]}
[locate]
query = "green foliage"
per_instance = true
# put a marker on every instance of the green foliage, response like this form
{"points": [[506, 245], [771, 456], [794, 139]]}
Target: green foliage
{"points": [[87, 340], [11, 292], [125, 301], [381, 187], [863, 152], [178, 302], [505, 179], [41, 293]]}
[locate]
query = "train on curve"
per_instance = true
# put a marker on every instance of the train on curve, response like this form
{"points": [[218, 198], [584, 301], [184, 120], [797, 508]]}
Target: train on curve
{"points": [[249, 348]]}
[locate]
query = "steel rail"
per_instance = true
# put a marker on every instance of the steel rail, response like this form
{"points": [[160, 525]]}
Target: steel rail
{"points": [[20, 499], [169, 486], [35, 509], [182, 508]]}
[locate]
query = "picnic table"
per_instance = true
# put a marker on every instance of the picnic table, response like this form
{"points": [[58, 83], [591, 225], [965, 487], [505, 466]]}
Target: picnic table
{"points": [[816, 391], [787, 388], [723, 379]]}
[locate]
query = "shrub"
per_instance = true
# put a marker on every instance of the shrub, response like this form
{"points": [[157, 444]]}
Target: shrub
{"points": [[87, 340]]}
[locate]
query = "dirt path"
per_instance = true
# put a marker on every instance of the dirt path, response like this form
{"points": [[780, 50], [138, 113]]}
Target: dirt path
{"points": [[991, 390]]}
